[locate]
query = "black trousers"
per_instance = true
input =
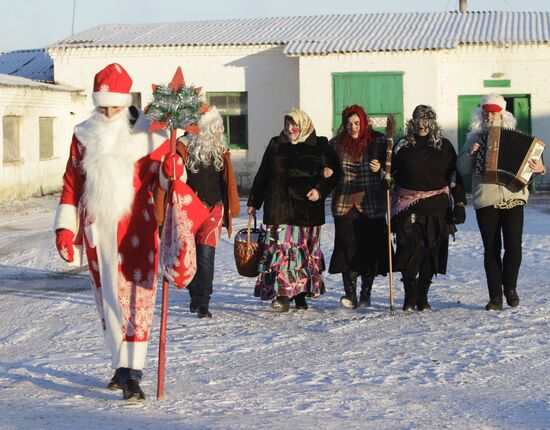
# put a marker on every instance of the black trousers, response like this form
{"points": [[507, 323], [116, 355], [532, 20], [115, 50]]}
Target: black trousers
{"points": [[500, 227]]}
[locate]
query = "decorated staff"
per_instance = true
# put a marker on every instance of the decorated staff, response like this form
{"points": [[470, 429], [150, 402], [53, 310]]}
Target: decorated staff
{"points": [[390, 132], [176, 106]]}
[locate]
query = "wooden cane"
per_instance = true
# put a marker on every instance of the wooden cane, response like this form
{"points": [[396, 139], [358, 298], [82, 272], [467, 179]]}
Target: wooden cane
{"points": [[390, 131], [165, 285]]}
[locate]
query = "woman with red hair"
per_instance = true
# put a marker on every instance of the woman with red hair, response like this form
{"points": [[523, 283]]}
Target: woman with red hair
{"points": [[359, 207]]}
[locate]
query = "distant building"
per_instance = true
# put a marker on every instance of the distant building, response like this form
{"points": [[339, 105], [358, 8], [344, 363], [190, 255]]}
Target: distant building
{"points": [[254, 70], [37, 121]]}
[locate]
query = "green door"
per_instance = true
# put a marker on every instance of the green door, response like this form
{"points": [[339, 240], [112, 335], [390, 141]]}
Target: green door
{"points": [[518, 104], [380, 93]]}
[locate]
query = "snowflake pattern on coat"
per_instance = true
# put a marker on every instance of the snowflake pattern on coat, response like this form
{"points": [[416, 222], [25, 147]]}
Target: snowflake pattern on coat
{"points": [[137, 303]]}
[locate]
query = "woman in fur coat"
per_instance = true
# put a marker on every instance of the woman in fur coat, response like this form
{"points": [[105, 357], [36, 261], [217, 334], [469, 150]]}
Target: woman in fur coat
{"points": [[298, 171]]}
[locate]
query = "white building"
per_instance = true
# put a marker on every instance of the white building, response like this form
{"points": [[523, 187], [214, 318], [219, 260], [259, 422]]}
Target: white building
{"points": [[255, 70], [37, 121]]}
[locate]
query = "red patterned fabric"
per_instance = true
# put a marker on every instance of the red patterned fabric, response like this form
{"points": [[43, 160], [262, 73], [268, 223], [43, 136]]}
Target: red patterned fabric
{"points": [[185, 213]]}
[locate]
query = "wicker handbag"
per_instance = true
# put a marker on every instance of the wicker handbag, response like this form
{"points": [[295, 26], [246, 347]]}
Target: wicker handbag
{"points": [[248, 248]]}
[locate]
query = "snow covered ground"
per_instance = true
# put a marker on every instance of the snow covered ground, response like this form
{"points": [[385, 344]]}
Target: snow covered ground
{"points": [[249, 367]]}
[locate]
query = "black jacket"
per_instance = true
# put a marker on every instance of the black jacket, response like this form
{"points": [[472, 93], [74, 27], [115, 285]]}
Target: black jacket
{"points": [[287, 173], [424, 168]]}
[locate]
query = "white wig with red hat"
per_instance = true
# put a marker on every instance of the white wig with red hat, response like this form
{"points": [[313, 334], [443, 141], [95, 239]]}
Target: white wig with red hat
{"points": [[112, 87], [491, 103]]}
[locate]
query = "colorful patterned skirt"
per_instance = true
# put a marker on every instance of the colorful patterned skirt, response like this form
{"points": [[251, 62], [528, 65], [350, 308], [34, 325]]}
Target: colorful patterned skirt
{"points": [[292, 263]]}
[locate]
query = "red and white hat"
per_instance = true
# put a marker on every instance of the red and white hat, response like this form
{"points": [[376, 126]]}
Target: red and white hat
{"points": [[493, 103], [112, 87]]}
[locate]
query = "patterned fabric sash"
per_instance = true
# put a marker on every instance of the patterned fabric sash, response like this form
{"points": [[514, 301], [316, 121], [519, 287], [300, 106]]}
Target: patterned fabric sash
{"points": [[403, 198]]}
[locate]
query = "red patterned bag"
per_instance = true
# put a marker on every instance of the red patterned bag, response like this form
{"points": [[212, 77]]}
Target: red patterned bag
{"points": [[184, 215]]}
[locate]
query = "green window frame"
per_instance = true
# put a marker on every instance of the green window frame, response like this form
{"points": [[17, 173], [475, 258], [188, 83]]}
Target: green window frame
{"points": [[233, 108]]}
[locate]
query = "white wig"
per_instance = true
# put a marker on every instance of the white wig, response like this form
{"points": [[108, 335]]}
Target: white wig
{"points": [[210, 145], [479, 125]]}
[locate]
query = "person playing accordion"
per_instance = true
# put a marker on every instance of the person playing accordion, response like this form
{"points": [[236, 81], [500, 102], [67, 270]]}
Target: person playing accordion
{"points": [[499, 211]]}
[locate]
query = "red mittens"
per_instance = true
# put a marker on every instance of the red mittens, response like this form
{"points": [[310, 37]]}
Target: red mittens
{"points": [[172, 166], [64, 243]]}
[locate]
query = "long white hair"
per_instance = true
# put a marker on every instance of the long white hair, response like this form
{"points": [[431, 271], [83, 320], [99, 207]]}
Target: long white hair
{"points": [[478, 125], [210, 145]]}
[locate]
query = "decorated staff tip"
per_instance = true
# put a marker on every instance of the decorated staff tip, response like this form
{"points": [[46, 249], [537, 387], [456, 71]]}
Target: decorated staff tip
{"points": [[176, 105]]}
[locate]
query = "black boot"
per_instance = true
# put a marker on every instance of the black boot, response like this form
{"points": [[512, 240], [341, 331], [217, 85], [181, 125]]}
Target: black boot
{"points": [[130, 379], [281, 304], [493, 306], [200, 288], [114, 383], [350, 288], [300, 301], [512, 297], [422, 296], [366, 288], [203, 312], [410, 294]]}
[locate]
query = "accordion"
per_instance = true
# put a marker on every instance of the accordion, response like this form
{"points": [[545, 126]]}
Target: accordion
{"points": [[503, 157]]}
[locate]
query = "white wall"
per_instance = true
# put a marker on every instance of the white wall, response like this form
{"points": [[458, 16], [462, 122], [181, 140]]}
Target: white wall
{"points": [[269, 78], [31, 176], [276, 83], [437, 78]]}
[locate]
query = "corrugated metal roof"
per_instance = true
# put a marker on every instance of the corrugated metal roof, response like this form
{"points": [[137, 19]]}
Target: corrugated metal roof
{"points": [[33, 64], [18, 81], [323, 34]]}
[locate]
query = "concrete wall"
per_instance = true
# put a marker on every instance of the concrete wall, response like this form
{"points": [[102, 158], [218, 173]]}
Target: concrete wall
{"points": [[31, 176], [437, 78], [269, 78]]}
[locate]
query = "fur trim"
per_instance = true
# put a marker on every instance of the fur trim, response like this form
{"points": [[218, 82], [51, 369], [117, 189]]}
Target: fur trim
{"points": [[109, 166], [107, 99], [143, 142], [66, 216]]}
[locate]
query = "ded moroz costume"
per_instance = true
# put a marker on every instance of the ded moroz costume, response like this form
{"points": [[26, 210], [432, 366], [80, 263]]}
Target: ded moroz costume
{"points": [[106, 207]]}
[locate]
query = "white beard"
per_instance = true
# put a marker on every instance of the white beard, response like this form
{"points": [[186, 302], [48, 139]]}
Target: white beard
{"points": [[109, 166]]}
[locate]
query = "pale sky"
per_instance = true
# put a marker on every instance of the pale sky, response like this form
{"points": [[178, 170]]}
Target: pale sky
{"points": [[28, 24]]}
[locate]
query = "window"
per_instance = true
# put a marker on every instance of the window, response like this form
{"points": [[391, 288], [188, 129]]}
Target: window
{"points": [[233, 108], [11, 126], [136, 99], [46, 137]]}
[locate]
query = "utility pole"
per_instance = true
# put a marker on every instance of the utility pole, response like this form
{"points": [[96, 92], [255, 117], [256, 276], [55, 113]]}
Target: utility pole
{"points": [[463, 5], [72, 25]]}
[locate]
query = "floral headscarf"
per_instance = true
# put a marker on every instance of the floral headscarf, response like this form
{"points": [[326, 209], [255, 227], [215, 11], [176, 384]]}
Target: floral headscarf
{"points": [[304, 123]]}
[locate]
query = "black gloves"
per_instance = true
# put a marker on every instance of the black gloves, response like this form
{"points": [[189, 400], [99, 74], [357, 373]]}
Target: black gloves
{"points": [[459, 213]]}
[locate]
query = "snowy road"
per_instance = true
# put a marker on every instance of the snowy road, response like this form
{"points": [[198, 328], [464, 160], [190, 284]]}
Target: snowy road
{"points": [[249, 367]]}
